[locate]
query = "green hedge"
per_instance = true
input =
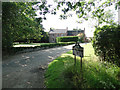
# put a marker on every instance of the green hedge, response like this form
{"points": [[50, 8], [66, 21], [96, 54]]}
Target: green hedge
{"points": [[67, 39], [106, 43], [44, 45]]}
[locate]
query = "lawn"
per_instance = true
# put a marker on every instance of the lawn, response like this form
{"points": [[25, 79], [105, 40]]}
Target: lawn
{"points": [[34, 46], [42, 44], [31, 44], [62, 73]]}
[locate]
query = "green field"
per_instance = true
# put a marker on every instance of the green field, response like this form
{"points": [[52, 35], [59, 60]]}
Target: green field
{"points": [[62, 73]]}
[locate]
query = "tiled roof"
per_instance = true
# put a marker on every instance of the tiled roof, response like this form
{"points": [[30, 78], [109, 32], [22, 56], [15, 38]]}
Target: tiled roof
{"points": [[73, 32], [58, 31], [79, 31]]}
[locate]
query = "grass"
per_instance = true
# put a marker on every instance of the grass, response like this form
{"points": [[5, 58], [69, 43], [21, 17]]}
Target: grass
{"points": [[62, 73], [33, 46], [42, 44]]}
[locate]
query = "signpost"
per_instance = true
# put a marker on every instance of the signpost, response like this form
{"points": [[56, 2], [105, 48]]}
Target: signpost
{"points": [[78, 51]]}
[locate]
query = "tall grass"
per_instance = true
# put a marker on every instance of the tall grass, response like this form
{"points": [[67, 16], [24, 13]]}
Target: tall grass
{"points": [[62, 73]]}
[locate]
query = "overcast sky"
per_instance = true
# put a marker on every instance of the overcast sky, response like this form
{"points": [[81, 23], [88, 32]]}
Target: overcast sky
{"points": [[53, 21]]}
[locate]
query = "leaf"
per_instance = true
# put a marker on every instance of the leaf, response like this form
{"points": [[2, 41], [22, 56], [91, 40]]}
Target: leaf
{"points": [[102, 10], [79, 4], [116, 7], [58, 6], [93, 4], [119, 3]]}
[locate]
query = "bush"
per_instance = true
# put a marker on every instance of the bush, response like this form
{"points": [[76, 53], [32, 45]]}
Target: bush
{"points": [[67, 39], [66, 43], [81, 38], [106, 43], [13, 50]]}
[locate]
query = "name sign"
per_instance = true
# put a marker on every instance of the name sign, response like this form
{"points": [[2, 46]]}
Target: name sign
{"points": [[78, 50]]}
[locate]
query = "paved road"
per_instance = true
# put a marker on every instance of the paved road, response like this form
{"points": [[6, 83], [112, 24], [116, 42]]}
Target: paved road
{"points": [[26, 70]]}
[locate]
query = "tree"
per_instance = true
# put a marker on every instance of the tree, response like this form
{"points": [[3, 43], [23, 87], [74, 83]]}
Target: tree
{"points": [[8, 16], [19, 23], [83, 9]]}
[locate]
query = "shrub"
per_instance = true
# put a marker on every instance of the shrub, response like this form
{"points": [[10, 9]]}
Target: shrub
{"points": [[67, 43], [81, 37], [106, 43], [13, 50], [67, 39]]}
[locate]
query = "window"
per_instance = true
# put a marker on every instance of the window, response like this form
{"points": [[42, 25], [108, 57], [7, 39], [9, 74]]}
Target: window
{"points": [[53, 39], [53, 35], [62, 34]]}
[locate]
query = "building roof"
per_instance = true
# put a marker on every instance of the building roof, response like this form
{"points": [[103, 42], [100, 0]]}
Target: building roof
{"points": [[74, 32], [52, 31], [70, 32], [79, 31]]}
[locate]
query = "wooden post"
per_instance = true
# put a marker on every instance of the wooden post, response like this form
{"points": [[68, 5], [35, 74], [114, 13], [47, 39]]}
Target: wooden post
{"points": [[75, 59], [81, 63]]}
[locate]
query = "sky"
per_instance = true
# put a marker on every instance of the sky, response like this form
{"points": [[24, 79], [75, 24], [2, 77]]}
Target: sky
{"points": [[54, 21]]}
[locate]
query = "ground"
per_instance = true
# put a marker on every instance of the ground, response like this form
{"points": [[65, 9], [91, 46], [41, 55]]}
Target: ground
{"points": [[26, 70]]}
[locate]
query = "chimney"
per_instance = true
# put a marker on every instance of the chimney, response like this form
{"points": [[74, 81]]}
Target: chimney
{"points": [[84, 29], [66, 28]]}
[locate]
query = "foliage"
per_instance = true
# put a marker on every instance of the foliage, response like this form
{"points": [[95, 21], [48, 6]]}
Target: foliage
{"points": [[106, 43], [66, 42], [87, 9], [62, 73], [81, 37], [19, 24], [67, 39], [83, 9], [45, 38], [33, 46]]}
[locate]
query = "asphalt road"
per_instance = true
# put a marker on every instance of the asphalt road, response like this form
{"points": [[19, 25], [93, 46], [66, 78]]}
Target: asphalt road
{"points": [[26, 70]]}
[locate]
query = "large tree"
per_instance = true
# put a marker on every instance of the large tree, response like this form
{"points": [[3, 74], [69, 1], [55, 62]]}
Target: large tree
{"points": [[19, 23]]}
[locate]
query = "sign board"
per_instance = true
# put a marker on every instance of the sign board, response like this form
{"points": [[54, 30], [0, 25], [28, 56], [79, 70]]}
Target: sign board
{"points": [[78, 50]]}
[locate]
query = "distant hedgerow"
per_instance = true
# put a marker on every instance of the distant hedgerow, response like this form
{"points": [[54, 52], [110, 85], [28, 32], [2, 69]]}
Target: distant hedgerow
{"points": [[67, 39]]}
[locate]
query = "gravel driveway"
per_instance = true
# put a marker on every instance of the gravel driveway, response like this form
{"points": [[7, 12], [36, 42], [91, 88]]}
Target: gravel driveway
{"points": [[26, 70]]}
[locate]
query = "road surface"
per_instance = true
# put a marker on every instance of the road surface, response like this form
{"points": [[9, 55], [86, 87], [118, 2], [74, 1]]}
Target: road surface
{"points": [[26, 70]]}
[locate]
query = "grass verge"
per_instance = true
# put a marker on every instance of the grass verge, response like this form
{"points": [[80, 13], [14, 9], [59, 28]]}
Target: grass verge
{"points": [[42, 44], [33, 46], [62, 73]]}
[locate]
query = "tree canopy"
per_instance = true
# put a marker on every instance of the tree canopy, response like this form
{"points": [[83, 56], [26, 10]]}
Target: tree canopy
{"points": [[83, 8], [19, 23]]}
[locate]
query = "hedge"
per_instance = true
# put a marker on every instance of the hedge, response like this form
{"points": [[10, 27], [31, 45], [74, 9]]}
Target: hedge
{"points": [[106, 43], [43, 46], [67, 39]]}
